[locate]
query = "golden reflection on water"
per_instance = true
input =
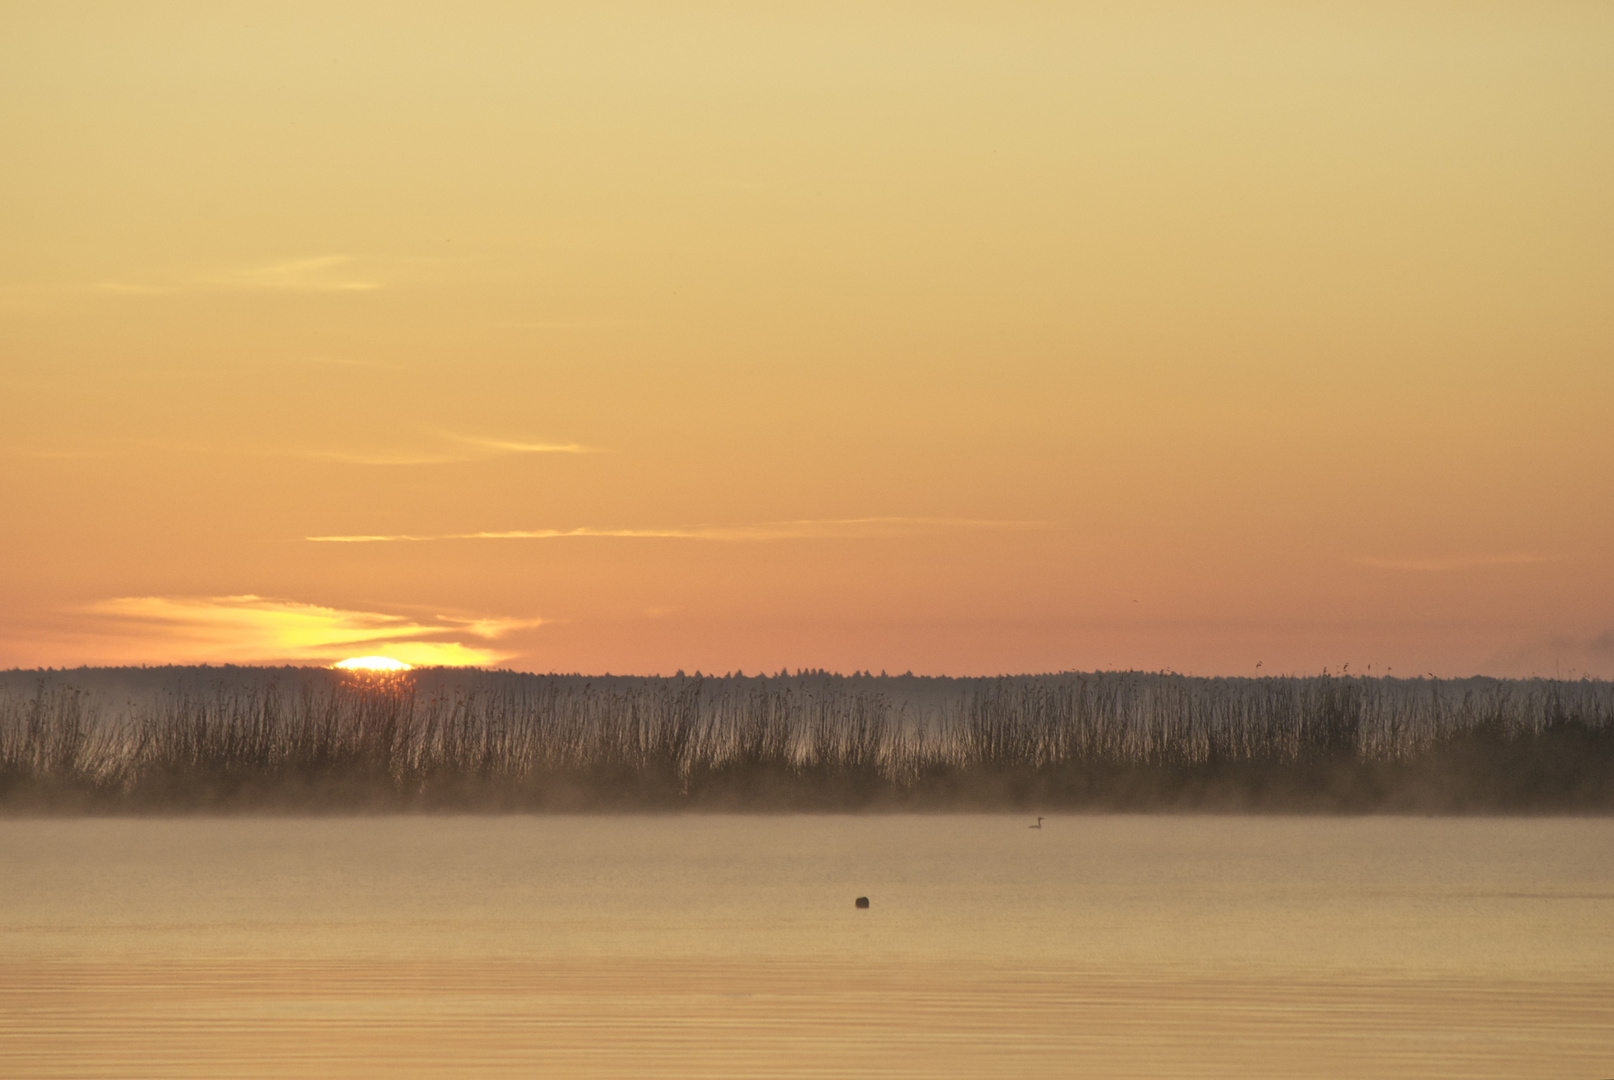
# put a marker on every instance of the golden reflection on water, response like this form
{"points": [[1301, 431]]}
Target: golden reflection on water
{"points": [[713, 946]]}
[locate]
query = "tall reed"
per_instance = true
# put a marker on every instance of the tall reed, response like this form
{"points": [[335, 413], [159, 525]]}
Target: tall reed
{"points": [[319, 741]]}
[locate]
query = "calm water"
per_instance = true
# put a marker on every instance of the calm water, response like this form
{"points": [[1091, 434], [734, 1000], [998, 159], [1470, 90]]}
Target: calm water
{"points": [[730, 947]]}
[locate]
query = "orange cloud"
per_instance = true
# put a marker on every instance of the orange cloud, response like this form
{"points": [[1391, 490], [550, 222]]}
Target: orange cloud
{"points": [[1454, 562], [453, 449], [253, 629], [323, 274], [829, 529]]}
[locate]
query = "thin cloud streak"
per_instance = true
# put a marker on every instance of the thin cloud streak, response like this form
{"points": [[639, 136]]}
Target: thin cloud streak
{"points": [[831, 529], [314, 275], [476, 449], [349, 362], [124, 288], [69, 455], [1456, 562], [342, 457], [482, 450], [554, 324], [299, 275], [511, 446]]}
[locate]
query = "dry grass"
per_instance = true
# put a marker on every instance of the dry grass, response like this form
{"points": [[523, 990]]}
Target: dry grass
{"points": [[313, 741]]}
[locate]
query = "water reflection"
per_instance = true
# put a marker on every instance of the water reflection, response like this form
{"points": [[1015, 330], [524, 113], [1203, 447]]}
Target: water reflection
{"points": [[713, 946]]}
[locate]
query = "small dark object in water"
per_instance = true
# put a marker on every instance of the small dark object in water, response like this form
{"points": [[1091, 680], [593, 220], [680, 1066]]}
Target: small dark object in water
{"points": [[863, 901]]}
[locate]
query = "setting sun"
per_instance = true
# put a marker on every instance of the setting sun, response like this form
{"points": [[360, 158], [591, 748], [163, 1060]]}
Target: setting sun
{"points": [[372, 663]]}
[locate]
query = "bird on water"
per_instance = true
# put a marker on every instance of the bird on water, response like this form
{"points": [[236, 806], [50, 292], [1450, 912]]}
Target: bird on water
{"points": [[1038, 825]]}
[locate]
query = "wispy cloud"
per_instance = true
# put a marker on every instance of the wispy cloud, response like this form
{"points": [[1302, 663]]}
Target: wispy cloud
{"points": [[822, 529], [224, 629], [125, 288], [511, 446], [378, 457], [1453, 562], [553, 324], [433, 449], [321, 274], [350, 362], [326, 273], [451, 449], [70, 455]]}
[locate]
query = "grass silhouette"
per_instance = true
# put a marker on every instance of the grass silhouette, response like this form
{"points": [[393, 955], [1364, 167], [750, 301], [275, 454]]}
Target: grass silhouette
{"points": [[303, 740]]}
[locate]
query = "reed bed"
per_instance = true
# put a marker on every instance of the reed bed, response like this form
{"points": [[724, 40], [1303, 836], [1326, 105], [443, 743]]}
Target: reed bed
{"points": [[314, 741]]}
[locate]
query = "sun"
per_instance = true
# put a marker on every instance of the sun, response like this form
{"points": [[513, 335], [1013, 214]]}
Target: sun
{"points": [[372, 663]]}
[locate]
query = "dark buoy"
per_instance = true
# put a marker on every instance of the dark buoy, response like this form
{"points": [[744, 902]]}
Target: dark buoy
{"points": [[863, 901]]}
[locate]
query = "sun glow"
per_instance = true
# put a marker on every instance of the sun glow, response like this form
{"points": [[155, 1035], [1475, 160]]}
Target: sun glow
{"points": [[372, 663], [256, 630]]}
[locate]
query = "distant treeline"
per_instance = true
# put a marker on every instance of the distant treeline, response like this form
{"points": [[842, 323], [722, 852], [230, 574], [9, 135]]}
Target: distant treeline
{"points": [[304, 740]]}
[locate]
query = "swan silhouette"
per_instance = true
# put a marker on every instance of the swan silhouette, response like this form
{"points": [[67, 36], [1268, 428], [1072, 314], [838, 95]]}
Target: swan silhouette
{"points": [[1038, 825]]}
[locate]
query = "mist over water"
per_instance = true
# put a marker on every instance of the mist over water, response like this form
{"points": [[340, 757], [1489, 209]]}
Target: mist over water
{"points": [[729, 946]]}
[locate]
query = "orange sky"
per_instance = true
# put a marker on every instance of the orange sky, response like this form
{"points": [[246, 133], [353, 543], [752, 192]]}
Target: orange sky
{"points": [[960, 338]]}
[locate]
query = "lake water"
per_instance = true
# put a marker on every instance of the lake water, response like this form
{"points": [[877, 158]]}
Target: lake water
{"points": [[709, 946]]}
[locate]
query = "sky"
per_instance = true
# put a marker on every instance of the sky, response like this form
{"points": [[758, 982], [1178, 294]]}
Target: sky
{"points": [[953, 338]]}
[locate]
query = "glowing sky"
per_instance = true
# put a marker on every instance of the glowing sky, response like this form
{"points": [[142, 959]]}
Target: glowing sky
{"points": [[959, 338]]}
